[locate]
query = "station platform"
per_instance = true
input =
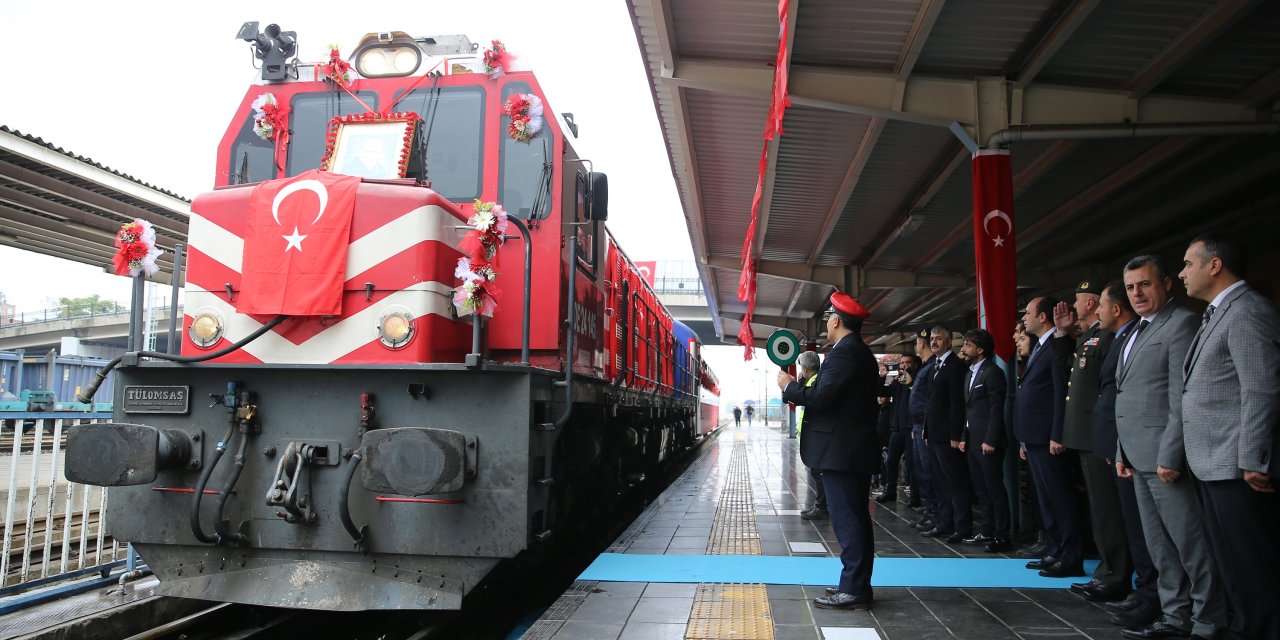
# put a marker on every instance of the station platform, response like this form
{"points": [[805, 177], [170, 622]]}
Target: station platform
{"points": [[724, 553]]}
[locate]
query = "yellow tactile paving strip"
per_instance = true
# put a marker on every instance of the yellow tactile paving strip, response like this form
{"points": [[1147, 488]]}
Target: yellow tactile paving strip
{"points": [[734, 531], [733, 611]]}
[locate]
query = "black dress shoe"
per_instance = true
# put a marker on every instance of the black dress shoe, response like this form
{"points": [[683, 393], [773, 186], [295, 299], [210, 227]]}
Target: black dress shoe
{"points": [[1063, 570], [1139, 616], [925, 524], [831, 591], [978, 538], [814, 514], [1155, 631], [956, 538], [998, 545], [936, 532], [843, 601], [1106, 593], [1081, 587], [888, 496], [1128, 604], [1042, 563]]}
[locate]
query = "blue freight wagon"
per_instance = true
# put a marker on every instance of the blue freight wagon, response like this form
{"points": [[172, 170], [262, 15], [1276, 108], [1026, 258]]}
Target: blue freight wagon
{"points": [[49, 383]]}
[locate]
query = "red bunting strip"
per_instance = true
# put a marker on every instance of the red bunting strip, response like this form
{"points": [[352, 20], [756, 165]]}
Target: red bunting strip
{"points": [[778, 103]]}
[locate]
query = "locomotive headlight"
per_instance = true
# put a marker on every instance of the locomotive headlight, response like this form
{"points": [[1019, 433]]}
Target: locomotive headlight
{"points": [[382, 61], [206, 327], [395, 327]]}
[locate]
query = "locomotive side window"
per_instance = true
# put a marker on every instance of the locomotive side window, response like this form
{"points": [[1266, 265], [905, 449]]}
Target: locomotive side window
{"points": [[453, 129], [521, 176], [309, 116], [252, 158]]}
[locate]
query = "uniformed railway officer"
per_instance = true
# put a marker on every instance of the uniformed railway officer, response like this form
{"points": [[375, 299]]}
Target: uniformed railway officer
{"points": [[840, 443]]}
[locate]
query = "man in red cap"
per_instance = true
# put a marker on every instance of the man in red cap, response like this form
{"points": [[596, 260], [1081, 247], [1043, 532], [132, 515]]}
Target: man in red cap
{"points": [[840, 442]]}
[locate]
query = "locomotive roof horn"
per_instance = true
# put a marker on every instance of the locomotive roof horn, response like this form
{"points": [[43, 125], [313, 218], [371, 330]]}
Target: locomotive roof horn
{"points": [[272, 46]]}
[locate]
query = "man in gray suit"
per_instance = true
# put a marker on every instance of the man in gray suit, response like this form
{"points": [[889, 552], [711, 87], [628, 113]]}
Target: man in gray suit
{"points": [[1231, 418], [1149, 425]]}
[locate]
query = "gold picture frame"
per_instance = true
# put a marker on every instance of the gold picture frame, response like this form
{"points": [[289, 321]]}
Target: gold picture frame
{"points": [[372, 146]]}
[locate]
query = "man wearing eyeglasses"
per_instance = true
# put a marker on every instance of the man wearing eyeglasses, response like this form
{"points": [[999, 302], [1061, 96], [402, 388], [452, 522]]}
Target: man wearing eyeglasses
{"points": [[840, 443]]}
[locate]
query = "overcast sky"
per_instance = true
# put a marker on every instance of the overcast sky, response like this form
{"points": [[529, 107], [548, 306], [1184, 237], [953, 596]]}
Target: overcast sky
{"points": [[148, 88]]}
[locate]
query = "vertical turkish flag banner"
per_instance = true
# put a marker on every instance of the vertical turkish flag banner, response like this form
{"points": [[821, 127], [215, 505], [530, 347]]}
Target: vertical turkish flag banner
{"points": [[295, 245], [994, 248]]}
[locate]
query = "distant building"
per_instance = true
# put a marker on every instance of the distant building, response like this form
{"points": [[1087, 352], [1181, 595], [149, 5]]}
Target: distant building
{"points": [[8, 313]]}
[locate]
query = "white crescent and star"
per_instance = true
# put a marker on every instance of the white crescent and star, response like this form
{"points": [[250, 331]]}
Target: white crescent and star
{"points": [[315, 186], [996, 213]]}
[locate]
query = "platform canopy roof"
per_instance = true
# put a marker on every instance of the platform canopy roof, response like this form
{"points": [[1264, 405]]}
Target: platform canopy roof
{"points": [[1132, 124], [58, 203]]}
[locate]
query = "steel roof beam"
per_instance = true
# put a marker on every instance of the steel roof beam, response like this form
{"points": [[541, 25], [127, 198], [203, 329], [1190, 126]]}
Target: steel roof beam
{"points": [[1220, 17], [1263, 89], [1072, 17], [1025, 178], [88, 172], [109, 206], [940, 101]]}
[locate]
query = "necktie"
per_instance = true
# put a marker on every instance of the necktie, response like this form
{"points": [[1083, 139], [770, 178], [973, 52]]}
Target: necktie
{"points": [[1195, 342], [1142, 324]]}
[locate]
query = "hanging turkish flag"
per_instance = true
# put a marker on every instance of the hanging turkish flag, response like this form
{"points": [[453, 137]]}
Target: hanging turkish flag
{"points": [[994, 247], [295, 245]]}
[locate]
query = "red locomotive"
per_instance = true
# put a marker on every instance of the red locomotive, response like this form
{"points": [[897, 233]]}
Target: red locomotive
{"points": [[426, 351]]}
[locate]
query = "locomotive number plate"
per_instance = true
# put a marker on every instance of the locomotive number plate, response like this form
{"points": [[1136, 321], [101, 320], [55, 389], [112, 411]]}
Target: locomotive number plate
{"points": [[157, 399]]}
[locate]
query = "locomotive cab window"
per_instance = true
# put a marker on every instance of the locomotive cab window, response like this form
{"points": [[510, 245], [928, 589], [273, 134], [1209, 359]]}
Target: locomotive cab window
{"points": [[453, 132], [524, 179], [309, 116], [252, 158]]}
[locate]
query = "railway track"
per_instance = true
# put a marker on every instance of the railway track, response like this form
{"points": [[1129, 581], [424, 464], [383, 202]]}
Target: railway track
{"points": [[37, 539]]}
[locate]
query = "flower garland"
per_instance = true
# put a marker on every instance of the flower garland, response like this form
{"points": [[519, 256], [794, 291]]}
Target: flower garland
{"points": [[478, 292], [406, 147], [337, 70], [490, 227], [268, 118], [496, 60], [525, 111], [136, 250]]}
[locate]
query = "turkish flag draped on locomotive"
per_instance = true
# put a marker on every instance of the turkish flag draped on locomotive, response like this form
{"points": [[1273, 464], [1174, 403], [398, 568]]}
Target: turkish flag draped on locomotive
{"points": [[295, 245]]}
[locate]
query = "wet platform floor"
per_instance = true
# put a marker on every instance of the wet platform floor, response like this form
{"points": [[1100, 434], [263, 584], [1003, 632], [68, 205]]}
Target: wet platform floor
{"points": [[709, 511]]}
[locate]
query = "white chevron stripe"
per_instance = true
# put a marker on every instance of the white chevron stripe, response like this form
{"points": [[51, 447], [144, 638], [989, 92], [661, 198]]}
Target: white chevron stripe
{"points": [[430, 222], [345, 336], [208, 238]]}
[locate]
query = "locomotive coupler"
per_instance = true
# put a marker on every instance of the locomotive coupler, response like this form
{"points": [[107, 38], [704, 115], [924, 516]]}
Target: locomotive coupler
{"points": [[291, 487]]}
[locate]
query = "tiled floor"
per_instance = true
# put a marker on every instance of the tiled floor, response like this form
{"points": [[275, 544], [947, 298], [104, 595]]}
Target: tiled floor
{"points": [[680, 523]]}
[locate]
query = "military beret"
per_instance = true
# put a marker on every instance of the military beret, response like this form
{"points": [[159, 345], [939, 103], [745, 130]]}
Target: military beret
{"points": [[847, 305], [1090, 286]]}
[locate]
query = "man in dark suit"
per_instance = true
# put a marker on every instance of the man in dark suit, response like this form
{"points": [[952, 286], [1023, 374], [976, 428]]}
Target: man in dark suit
{"points": [[1142, 607], [1113, 578], [899, 394], [1038, 414], [1231, 428], [984, 441], [943, 430], [925, 481], [840, 443], [1149, 426]]}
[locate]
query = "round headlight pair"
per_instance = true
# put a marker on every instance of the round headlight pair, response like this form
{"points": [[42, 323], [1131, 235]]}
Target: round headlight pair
{"points": [[385, 61], [207, 328], [395, 327]]}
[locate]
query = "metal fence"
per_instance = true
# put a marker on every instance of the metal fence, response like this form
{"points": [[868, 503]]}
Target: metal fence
{"points": [[52, 527], [57, 314]]}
